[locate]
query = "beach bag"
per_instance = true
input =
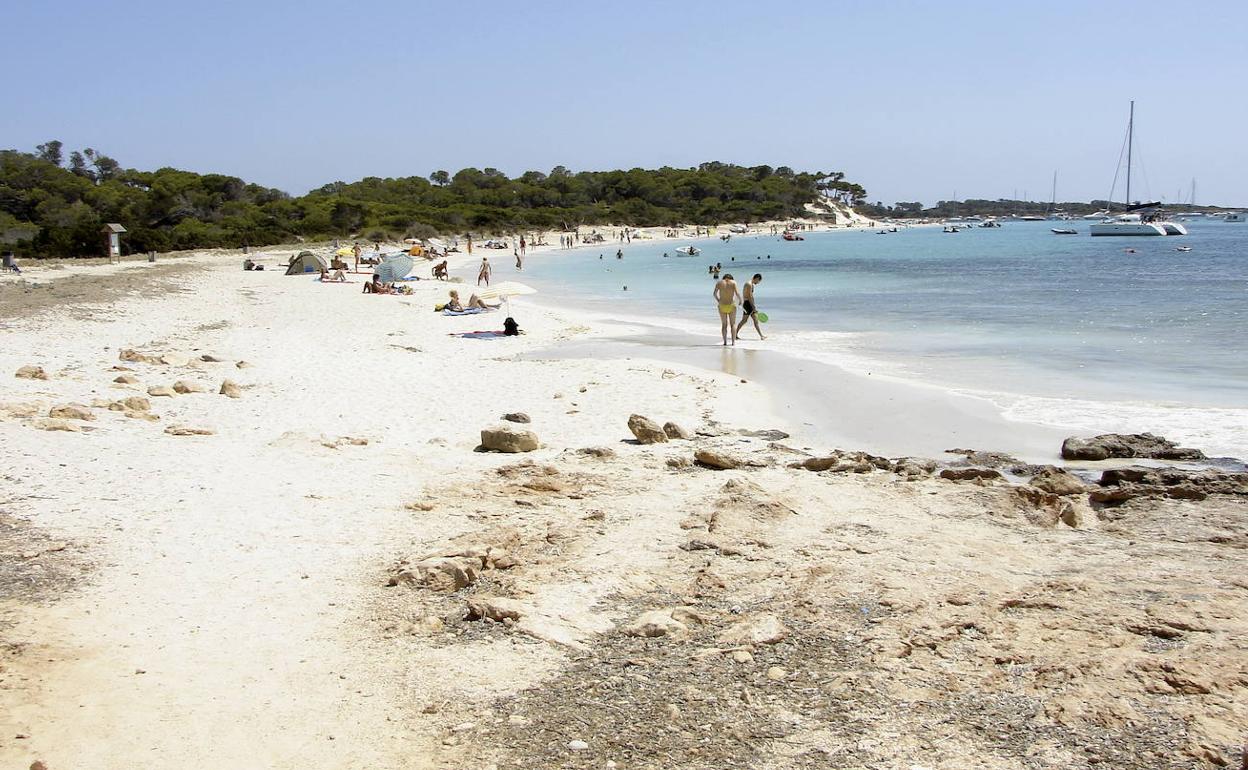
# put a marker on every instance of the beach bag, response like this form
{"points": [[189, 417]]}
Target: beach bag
{"points": [[510, 327]]}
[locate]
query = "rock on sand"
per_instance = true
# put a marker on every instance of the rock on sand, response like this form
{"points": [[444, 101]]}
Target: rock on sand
{"points": [[675, 431], [646, 430], [31, 373], [188, 386], [713, 458], [504, 438], [71, 412]]}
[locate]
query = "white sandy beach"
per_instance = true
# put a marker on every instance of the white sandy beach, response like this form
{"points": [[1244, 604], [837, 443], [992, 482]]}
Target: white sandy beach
{"points": [[221, 600]]}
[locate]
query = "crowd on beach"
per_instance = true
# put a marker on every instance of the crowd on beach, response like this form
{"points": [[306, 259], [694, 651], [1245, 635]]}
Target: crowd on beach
{"points": [[731, 299]]}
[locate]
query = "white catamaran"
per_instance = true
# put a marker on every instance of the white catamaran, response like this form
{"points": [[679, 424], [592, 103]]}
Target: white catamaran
{"points": [[1139, 219]]}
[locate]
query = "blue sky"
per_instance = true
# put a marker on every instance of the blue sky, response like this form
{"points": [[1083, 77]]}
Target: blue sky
{"points": [[916, 101]]}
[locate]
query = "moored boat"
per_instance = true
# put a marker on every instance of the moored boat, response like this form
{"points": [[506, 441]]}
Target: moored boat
{"points": [[1126, 224]]}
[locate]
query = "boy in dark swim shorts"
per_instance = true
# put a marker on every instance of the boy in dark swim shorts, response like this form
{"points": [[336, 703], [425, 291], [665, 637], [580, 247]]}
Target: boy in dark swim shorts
{"points": [[748, 307]]}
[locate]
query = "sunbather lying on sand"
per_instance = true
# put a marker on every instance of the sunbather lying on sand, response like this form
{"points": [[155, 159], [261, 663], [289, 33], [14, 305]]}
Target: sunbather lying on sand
{"points": [[473, 301], [337, 277]]}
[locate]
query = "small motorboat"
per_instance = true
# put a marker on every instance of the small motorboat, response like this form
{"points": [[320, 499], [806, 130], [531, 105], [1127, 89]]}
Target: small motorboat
{"points": [[789, 235], [1064, 231], [688, 251], [951, 229], [1183, 248]]}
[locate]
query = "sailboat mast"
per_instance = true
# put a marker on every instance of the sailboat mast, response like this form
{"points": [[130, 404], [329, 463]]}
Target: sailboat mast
{"points": [[1130, 138]]}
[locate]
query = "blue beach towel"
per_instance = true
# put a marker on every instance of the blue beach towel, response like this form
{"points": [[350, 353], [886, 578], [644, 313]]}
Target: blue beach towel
{"points": [[466, 311]]}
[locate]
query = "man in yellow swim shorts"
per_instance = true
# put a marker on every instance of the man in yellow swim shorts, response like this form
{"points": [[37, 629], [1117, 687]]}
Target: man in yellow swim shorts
{"points": [[726, 296]]}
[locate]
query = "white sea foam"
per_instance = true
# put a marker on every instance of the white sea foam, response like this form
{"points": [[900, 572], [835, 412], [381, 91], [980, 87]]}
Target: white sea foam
{"points": [[1216, 431]]}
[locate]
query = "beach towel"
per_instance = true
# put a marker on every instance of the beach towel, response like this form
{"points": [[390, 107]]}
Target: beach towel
{"points": [[479, 335], [465, 311]]}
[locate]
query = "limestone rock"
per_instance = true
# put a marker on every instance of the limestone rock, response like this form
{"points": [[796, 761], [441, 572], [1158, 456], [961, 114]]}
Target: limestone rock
{"points": [[20, 410], [970, 474], [71, 412], [655, 623], [769, 434], [174, 359], [438, 573], [715, 459], [516, 417], [675, 431], [133, 355], [188, 386], [646, 430], [160, 390], [1058, 482], [817, 464], [242, 365], [231, 389], [144, 415], [679, 462], [600, 452], [210, 359], [504, 438], [31, 373], [494, 608], [914, 467], [185, 430], [137, 404], [1119, 445], [58, 424], [764, 628], [126, 379]]}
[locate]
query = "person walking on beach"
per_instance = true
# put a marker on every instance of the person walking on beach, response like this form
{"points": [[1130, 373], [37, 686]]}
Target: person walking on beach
{"points": [[485, 272], [726, 296], [356, 250], [748, 308]]}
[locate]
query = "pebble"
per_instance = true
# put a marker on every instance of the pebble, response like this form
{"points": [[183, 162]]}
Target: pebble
{"points": [[776, 673], [742, 656], [464, 727], [578, 745]]}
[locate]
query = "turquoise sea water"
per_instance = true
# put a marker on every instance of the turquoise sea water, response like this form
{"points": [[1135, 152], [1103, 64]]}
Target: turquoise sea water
{"points": [[1056, 327]]}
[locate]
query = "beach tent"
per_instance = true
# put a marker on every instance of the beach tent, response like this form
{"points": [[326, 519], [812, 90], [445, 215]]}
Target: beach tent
{"points": [[306, 262], [416, 251]]}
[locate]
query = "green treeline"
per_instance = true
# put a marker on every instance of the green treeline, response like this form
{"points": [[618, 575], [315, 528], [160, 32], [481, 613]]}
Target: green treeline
{"points": [[982, 208], [53, 206]]}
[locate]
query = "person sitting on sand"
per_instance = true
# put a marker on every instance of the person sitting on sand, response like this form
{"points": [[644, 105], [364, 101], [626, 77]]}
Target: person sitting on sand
{"points": [[337, 264], [337, 277], [375, 286], [455, 306]]}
